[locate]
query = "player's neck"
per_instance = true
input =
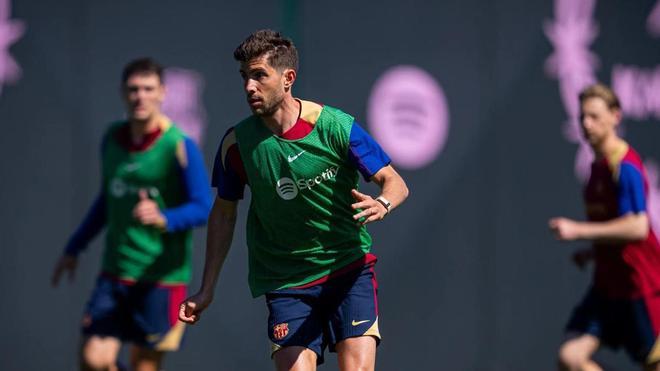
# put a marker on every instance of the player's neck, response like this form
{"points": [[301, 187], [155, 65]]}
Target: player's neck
{"points": [[139, 129], [609, 147], [285, 117]]}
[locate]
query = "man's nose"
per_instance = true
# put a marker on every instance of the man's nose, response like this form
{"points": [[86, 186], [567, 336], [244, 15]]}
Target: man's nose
{"points": [[141, 93], [250, 86]]}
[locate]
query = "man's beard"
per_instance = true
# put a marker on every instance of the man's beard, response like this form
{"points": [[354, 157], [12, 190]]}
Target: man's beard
{"points": [[270, 109]]}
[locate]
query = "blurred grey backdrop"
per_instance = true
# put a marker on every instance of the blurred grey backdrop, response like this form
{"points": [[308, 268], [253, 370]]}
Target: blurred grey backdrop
{"points": [[470, 278]]}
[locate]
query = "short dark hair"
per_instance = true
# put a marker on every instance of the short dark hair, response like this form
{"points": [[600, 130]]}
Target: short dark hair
{"points": [[603, 92], [280, 51], [142, 66]]}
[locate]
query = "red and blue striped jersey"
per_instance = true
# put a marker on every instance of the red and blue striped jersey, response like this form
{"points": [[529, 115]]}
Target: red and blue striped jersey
{"points": [[618, 186]]}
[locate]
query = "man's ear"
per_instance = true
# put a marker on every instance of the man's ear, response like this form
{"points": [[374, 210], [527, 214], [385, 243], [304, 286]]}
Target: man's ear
{"points": [[617, 115], [162, 93], [289, 75]]}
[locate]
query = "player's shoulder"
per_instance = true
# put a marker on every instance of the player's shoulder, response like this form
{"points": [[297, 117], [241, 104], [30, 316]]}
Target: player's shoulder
{"points": [[324, 116], [174, 138], [631, 164], [310, 111], [227, 143], [623, 156], [332, 119], [334, 112], [173, 129], [632, 157], [631, 167], [229, 137]]}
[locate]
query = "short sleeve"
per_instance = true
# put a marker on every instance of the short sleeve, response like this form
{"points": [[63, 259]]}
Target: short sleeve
{"points": [[365, 153], [632, 198], [228, 171]]}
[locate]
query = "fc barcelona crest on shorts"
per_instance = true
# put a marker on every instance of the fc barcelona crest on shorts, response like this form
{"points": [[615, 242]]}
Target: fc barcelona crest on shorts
{"points": [[280, 331]]}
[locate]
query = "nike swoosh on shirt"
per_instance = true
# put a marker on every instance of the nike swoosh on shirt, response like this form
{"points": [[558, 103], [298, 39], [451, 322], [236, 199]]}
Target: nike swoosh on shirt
{"points": [[293, 158], [355, 323]]}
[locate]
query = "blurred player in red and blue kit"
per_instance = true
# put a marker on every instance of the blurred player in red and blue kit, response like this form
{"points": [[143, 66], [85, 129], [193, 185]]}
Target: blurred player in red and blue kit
{"points": [[622, 306]]}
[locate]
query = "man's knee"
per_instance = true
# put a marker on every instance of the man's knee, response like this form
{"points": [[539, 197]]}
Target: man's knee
{"points": [[575, 356], [99, 354], [568, 359], [358, 353], [295, 358], [93, 360], [145, 359]]}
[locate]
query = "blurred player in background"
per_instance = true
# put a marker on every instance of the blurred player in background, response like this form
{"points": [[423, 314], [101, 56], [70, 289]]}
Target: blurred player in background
{"points": [[154, 191], [622, 307], [307, 241]]}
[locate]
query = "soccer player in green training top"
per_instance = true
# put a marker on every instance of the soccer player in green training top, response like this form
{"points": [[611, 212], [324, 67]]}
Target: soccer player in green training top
{"points": [[154, 190], [307, 241]]}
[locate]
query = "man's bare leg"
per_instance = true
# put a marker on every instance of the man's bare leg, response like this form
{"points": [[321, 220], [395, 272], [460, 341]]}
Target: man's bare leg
{"points": [[357, 354], [295, 358], [99, 353], [575, 353], [144, 359]]}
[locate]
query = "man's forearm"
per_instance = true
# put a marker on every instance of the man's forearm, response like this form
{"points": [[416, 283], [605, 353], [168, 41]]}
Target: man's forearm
{"points": [[218, 241], [93, 223], [631, 227], [393, 187]]}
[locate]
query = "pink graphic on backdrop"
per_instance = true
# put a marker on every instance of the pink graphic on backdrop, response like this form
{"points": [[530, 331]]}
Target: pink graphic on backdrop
{"points": [[10, 32], [573, 64], [408, 115], [653, 21], [183, 101], [639, 91]]}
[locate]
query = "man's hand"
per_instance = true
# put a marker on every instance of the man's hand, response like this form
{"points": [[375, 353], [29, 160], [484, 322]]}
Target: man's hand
{"points": [[372, 210], [191, 309], [66, 263], [147, 211], [565, 229]]}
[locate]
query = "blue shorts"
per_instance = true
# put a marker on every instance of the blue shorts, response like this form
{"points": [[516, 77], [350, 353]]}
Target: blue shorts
{"points": [[322, 315], [627, 323], [145, 314]]}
